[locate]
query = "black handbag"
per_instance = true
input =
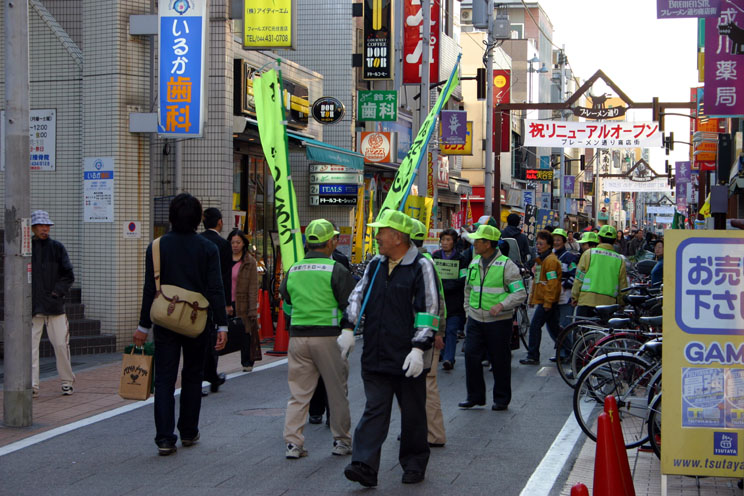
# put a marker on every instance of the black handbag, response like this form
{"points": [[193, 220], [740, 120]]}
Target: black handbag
{"points": [[236, 336]]}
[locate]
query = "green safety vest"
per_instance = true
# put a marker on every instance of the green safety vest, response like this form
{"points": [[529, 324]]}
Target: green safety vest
{"points": [[602, 275], [439, 282], [489, 292], [309, 286]]}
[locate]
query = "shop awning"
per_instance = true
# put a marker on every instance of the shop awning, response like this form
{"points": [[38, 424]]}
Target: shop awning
{"points": [[317, 151]]}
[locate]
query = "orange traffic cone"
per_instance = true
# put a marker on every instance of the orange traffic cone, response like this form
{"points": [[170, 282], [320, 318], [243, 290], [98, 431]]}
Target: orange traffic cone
{"points": [[267, 324], [579, 490], [608, 478], [281, 340], [610, 408]]}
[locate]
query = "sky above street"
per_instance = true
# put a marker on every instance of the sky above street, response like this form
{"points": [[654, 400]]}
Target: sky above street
{"points": [[643, 55]]}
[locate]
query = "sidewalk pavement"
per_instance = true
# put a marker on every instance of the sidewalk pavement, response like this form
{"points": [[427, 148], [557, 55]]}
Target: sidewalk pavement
{"points": [[96, 391]]}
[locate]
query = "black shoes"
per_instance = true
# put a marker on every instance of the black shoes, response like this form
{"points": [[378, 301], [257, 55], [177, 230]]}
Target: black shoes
{"points": [[215, 386], [361, 473], [166, 448], [186, 443], [499, 408], [470, 404], [436, 445], [447, 365], [412, 477], [529, 361], [316, 419], [553, 359]]}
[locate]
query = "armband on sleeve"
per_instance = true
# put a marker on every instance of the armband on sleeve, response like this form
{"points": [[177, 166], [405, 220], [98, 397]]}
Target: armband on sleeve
{"points": [[287, 308], [579, 276], [426, 320], [516, 286], [551, 275]]}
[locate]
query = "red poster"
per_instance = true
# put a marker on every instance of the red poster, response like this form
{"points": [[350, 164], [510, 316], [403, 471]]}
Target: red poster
{"points": [[413, 44], [502, 94]]}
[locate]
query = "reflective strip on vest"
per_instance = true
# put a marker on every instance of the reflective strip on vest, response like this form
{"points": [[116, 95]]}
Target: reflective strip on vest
{"points": [[424, 319], [309, 288], [602, 275], [489, 292]]}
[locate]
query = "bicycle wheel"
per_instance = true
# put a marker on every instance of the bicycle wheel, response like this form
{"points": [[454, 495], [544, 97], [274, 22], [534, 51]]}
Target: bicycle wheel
{"points": [[654, 425], [523, 324], [624, 376], [564, 345], [629, 342], [581, 352]]}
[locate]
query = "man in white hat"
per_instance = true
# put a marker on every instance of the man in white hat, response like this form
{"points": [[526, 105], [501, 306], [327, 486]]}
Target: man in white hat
{"points": [[52, 278]]}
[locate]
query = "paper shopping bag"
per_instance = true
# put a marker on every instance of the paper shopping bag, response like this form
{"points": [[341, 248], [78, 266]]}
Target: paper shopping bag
{"points": [[136, 375]]}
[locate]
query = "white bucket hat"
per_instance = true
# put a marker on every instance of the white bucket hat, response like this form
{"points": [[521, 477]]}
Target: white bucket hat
{"points": [[41, 217]]}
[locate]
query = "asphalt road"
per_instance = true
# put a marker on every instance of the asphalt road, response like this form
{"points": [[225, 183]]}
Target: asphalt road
{"points": [[242, 450]]}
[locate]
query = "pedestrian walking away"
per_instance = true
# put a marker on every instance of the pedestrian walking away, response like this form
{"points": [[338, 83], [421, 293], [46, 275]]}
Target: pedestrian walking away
{"points": [[401, 317], [546, 292], [493, 289], [191, 262], [212, 229], [600, 275], [315, 293], [51, 279]]}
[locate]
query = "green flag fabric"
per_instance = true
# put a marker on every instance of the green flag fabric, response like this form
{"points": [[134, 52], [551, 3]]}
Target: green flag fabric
{"points": [[408, 168], [270, 115]]}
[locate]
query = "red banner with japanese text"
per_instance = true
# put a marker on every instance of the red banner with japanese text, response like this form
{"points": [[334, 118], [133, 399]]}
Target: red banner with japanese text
{"points": [[413, 23]]}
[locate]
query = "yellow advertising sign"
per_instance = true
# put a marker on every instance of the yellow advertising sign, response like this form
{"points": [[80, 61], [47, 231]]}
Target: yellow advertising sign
{"points": [[703, 354], [466, 149], [268, 24], [419, 207]]}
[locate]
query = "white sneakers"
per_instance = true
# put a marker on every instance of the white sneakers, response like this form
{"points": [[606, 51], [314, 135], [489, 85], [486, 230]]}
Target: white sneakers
{"points": [[340, 448], [293, 451]]}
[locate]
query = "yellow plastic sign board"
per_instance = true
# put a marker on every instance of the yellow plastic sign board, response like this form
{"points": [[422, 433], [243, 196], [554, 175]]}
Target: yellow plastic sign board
{"points": [[703, 354]]}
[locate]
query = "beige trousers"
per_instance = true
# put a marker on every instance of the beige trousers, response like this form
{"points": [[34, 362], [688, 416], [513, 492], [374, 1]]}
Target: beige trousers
{"points": [[434, 418], [309, 357], [59, 335]]}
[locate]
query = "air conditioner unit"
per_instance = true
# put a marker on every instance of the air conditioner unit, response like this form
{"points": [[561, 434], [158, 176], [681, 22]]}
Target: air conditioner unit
{"points": [[466, 15]]}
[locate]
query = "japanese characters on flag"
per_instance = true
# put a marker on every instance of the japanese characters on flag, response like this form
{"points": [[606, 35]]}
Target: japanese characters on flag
{"points": [[181, 71], [413, 29], [724, 60], [682, 183], [596, 134]]}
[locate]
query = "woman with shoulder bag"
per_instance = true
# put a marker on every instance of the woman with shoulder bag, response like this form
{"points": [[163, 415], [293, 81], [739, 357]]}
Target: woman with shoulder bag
{"points": [[245, 297]]}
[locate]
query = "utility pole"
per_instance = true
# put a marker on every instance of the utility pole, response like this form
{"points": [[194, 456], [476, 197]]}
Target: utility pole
{"points": [[489, 182], [17, 402], [425, 83], [561, 172]]}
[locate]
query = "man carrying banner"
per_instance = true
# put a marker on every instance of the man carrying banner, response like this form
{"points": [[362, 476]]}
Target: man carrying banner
{"points": [[402, 308]]}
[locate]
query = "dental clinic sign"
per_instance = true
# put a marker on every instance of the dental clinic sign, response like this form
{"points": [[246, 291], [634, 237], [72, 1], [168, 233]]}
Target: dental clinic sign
{"points": [[703, 355], [181, 71]]}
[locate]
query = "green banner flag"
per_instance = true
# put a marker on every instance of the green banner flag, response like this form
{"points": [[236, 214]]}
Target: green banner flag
{"points": [[410, 165], [270, 115]]}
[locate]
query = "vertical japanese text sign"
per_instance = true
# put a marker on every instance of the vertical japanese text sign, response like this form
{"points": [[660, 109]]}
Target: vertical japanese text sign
{"points": [[703, 354], [269, 24], [502, 94], [378, 39], [413, 29], [181, 46], [682, 183], [724, 61]]}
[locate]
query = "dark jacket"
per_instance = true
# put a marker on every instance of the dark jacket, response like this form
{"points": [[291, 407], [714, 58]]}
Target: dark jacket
{"points": [[394, 301], [516, 233], [341, 283], [454, 289], [225, 261], [341, 258], [52, 276], [191, 262]]}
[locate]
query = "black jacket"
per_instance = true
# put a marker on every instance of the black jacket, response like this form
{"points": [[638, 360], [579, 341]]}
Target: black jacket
{"points": [[454, 289], [225, 261], [341, 258], [191, 262], [516, 233], [394, 301], [51, 276]]}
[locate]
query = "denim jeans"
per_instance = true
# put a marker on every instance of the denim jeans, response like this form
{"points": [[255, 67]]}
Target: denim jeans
{"points": [[454, 323], [540, 318]]}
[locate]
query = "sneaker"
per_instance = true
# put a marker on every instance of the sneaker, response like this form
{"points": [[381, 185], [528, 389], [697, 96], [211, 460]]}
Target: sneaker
{"points": [[67, 389], [190, 442], [293, 451], [447, 365], [35, 393], [165, 449], [529, 361], [247, 368], [340, 448]]}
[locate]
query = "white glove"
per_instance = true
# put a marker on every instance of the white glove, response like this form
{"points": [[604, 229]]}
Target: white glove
{"points": [[414, 363], [345, 342]]}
